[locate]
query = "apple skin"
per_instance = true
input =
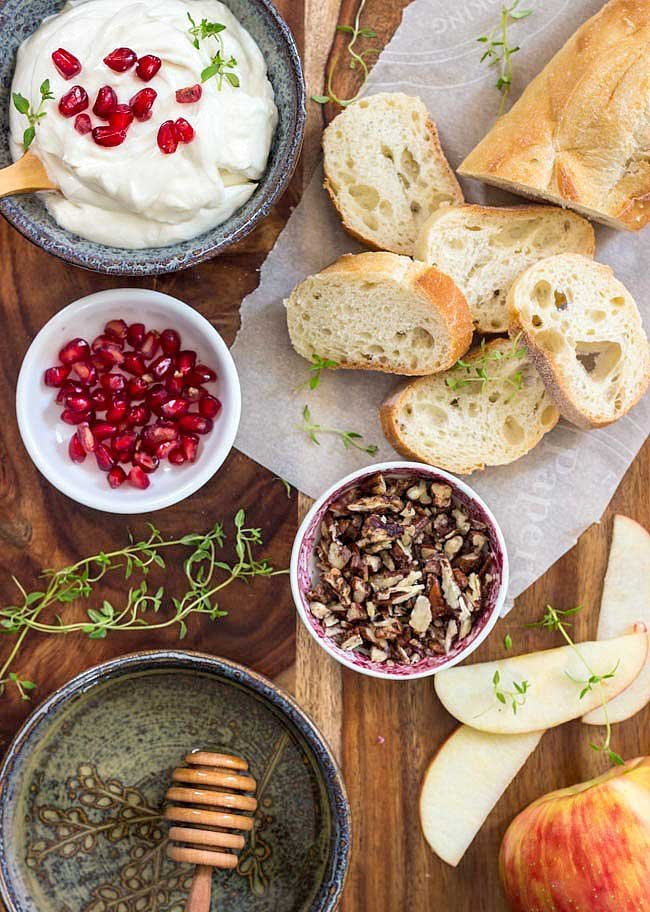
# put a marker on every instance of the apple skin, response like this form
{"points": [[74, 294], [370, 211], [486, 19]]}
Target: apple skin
{"points": [[583, 849]]}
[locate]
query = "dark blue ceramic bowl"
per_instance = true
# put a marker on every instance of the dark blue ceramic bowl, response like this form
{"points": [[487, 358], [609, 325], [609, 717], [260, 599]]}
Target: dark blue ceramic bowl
{"points": [[20, 18], [82, 788]]}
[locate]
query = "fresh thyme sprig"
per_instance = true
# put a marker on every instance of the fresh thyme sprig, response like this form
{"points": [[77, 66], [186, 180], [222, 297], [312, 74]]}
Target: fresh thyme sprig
{"points": [[316, 367], [357, 60], [516, 697], [477, 370], [348, 438], [498, 51], [205, 573], [553, 619], [221, 66], [22, 105]]}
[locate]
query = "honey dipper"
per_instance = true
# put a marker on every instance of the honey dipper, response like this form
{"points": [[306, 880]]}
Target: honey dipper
{"points": [[207, 802]]}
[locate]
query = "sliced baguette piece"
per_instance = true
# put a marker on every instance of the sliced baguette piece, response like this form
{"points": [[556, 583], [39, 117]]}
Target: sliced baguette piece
{"points": [[579, 134], [380, 311], [485, 248], [474, 425], [584, 334], [464, 781], [385, 170], [626, 600]]}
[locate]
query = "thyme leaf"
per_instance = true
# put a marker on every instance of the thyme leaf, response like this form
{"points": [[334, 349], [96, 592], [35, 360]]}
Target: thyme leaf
{"points": [[221, 66], [498, 50], [22, 105], [357, 61], [516, 697], [465, 373], [316, 367], [348, 438]]}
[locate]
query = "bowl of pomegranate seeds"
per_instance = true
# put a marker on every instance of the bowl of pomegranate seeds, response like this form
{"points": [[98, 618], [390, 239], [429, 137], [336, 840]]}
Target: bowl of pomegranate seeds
{"points": [[399, 570], [128, 401]]}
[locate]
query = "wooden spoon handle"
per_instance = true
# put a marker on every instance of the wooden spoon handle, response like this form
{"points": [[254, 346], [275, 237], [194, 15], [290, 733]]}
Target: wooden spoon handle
{"points": [[24, 176], [198, 899]]}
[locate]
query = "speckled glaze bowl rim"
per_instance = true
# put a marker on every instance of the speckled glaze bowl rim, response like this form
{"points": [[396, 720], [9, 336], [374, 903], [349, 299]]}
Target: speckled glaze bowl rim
{"points": [[176, 659], [302, 554], [99, 260]]}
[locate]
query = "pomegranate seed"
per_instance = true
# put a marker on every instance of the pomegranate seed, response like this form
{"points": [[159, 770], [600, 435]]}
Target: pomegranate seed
{"points": [[146, 461], [86, 437], [185, 361], [109, 136], [124, 443], [177, 456], [100, 365], [76, 350], [135, 334], [190, 444], [161, 366], [138, 478], [189, 94], [209, 407], [83, 124], [71, 417], [75, 450], [196, 424], [73, 102], [156, 397], [98, 342], [174, 408], [149, 345], [155, 434], [105, 102], [184, 130], [134, 364], [138, 415], [55, 376], [194, 393], [141, 105], [167, 139], [86, 371], [174, 385], [121, 59], [68, 389], [104, 458], [117, 411], [100, 399], [148, 66], [111, 354], [137, 387], [78, 403], [116, 330], [202, 374], [104, 429], [66, 63], [170, 341], [163, 450], [121, 117], [114, 383], [116, 476]]}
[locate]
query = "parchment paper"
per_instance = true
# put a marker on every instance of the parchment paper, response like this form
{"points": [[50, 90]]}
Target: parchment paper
{"points": [[545, 500]]}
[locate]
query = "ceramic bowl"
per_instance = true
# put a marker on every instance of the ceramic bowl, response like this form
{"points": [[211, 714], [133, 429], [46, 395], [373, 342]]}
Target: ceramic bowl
{"points": [[304, 572], [83, 783], [46, 437], [18, 20]]}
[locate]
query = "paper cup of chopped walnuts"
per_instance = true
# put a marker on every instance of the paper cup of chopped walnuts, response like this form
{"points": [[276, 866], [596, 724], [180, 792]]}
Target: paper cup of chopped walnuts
{"points": [[399, 570]]}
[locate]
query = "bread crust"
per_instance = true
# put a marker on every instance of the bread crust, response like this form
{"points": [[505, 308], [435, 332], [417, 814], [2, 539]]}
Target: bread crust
{"points": [[436, 150], [427, 282], [595, 89]]}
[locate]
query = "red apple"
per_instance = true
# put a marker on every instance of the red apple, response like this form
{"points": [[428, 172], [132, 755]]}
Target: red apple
{"points": [[583, 849]]}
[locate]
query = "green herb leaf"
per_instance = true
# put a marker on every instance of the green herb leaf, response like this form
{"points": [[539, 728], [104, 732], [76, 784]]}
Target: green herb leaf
{"points": [[28, 137], [321, 99], [507, 641], [20, 103]]}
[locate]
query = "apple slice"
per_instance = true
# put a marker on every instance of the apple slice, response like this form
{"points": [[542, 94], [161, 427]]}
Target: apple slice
{"points": [[552, 697], [626, 599], [465, 779]]}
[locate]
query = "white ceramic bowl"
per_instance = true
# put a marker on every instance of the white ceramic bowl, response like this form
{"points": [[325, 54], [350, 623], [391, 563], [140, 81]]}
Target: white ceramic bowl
{"points": [[46, 437], [304, 571]]}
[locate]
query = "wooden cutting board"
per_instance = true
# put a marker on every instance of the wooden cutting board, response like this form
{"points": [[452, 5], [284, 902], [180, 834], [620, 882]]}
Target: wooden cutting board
{"points": [[383, 733]]}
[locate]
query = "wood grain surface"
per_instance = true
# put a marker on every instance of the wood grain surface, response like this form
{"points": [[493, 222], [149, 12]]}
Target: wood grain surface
{"points": [[383, 732]]}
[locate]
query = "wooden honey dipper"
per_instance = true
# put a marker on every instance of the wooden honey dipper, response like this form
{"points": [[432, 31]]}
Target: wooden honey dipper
{"points": [[208, 803]]}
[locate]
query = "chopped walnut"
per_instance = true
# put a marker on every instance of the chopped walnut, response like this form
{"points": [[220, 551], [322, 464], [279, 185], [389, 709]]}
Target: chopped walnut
{"points": [[406, 568]]}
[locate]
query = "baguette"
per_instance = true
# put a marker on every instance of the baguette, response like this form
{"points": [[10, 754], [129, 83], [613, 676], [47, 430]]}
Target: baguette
{"points": [[385, 170], [485, 248], [471, 424], [380, 311], [579, 135], [583, 331]]}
